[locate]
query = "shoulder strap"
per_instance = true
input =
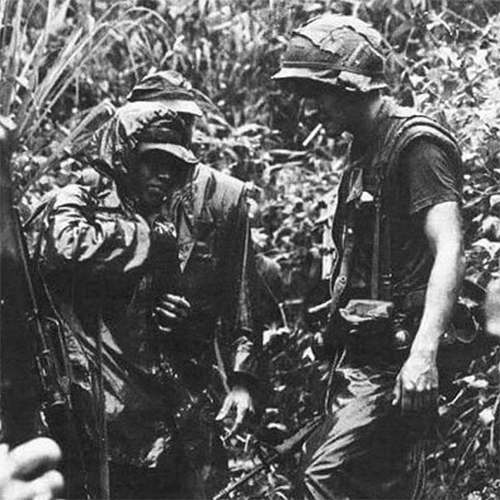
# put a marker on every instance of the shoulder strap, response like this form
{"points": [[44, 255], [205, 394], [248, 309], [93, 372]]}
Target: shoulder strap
{"points": [[348, 193], [399, 135], [381, 269]]}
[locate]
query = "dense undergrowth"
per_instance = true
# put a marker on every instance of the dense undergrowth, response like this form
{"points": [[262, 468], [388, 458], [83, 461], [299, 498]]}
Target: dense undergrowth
{"points": [[65, 63]]}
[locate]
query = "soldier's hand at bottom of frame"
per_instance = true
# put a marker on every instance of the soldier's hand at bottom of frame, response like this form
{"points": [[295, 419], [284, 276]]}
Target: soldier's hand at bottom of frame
{"points": [[238, 405], [417, 383], [27, 472], [170, 311]]}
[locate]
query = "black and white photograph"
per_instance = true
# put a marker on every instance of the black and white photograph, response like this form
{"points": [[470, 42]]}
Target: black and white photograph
{"points": [[250, 249]]}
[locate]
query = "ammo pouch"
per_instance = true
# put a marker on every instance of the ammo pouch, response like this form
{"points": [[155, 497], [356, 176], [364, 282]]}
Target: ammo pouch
{"points": [[395, 325], [373, 325], [363, 311]]}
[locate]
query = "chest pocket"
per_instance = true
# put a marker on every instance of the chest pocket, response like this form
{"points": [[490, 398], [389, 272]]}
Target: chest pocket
{"points": [[195, 241], [202, 276], [204, 250]]}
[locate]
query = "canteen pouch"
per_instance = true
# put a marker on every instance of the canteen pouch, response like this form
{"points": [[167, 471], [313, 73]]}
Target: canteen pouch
{"points": [[367, 325], [362, 311], [374, 326]]}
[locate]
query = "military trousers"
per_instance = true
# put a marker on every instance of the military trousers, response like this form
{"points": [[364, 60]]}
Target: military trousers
{"points": [[366, 448]]}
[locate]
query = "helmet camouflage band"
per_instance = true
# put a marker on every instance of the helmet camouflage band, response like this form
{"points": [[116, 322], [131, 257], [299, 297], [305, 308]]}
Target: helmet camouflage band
{"points": [[336, 50]]}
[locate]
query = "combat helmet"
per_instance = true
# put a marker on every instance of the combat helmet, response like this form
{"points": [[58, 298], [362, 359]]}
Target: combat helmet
{"points": [[342, 51]]}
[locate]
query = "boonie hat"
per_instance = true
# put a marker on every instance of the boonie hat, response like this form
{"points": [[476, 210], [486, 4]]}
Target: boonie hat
{"points": [[153, 125], [337, 50], [169, 87]]}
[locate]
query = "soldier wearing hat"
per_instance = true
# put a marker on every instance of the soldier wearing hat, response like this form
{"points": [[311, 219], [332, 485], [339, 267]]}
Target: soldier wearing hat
{"points": [[154, 267], [397, 229]]}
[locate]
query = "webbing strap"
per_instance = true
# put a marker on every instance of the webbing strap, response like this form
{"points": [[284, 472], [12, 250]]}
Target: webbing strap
{"points": [[341, 280], [399, 134], [348, 201], [104, 486]]}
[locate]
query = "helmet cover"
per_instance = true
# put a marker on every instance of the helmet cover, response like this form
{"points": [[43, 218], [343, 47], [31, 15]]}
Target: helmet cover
{"points": [[337, 50]]}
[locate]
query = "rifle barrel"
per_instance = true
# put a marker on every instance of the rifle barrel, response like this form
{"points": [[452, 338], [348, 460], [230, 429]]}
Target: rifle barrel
{"points": [[231, 487], [288, 446]]}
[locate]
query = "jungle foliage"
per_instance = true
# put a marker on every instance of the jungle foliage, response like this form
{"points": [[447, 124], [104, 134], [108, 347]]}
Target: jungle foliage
{"points": [[64, 65]]}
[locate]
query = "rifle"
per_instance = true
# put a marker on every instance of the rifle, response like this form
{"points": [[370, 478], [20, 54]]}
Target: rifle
{"points": [[30, 378], [286, 448]]}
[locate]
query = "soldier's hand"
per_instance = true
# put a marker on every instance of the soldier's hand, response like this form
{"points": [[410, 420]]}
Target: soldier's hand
{"points": [[240, 403], [27, 472], [170, 311], [417, 383]]}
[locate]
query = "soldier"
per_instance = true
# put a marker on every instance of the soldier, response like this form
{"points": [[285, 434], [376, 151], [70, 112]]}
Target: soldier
{"points": [[398, 229], [142, 275]]}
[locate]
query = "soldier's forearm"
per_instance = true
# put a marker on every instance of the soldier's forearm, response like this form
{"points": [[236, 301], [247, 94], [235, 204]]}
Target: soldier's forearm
{"points": [[442, 291], [443, 230], [245, 359]]}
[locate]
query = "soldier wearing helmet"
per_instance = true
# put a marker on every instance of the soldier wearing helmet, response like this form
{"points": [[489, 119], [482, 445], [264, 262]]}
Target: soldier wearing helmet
{"points": [[398, 231]]}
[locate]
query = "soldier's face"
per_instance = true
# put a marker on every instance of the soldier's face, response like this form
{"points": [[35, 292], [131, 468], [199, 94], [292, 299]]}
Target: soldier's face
{"points": [[333, 112], [157, 175]]}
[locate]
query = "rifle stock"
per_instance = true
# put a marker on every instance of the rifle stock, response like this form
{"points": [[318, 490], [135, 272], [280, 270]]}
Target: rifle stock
{"points": [[19, 402]]}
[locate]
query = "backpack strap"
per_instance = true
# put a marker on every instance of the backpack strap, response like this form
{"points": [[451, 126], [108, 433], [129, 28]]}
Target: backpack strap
{"points": [[349, 194], [400, 133]]}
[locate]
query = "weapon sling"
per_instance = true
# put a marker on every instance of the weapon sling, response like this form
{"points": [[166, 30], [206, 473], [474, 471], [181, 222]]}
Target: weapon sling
{"points": [[349, 197], [101, 402], [381, 272], [340, 283], [338, 289]]}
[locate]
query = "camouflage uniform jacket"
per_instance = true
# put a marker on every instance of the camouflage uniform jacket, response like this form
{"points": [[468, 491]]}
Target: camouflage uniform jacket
{"points": [[105, 267]]}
